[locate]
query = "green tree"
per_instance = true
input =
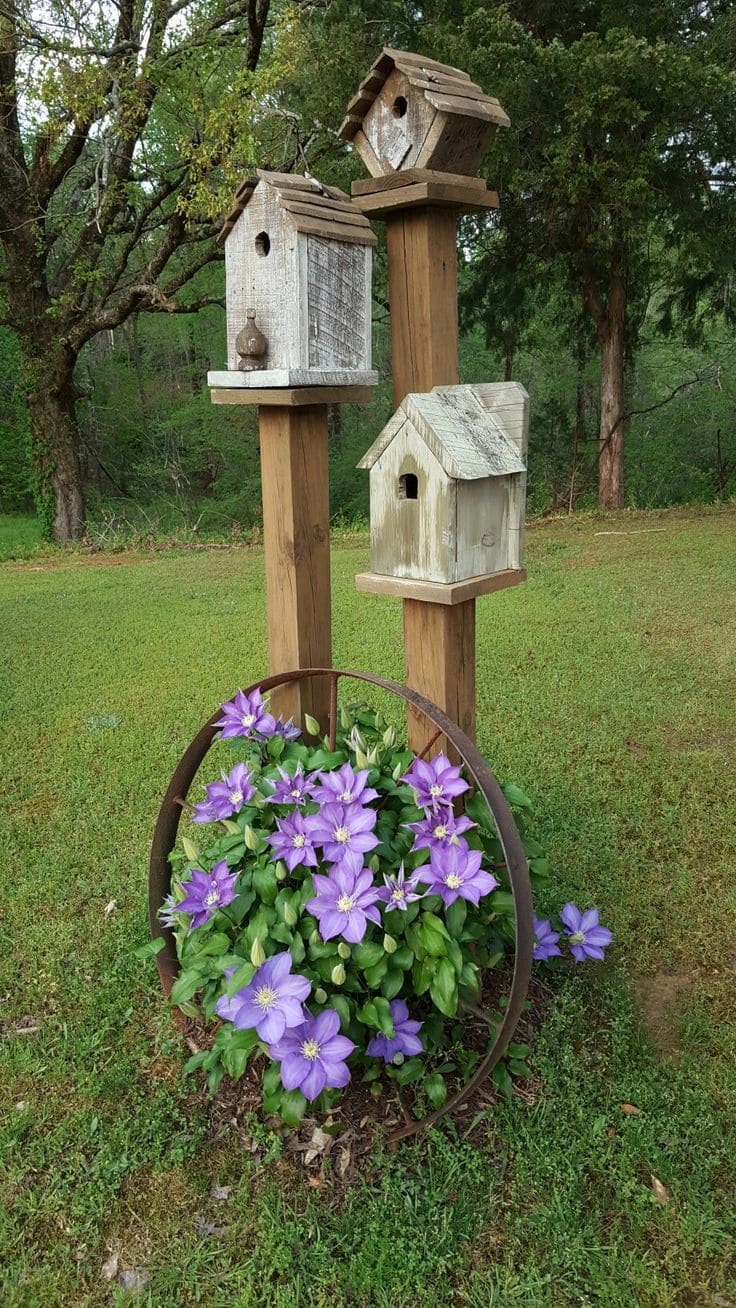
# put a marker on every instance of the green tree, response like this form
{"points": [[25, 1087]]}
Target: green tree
{"points": [[619, 113], [121, 128]]}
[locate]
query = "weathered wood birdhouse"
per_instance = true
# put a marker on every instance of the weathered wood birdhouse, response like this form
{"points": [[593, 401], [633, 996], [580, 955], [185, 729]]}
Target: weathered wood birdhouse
{"points": [[412, 112], [298, 258], [447, 489]]}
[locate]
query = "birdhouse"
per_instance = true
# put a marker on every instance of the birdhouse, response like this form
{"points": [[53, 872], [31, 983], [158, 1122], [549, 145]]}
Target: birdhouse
{"points": [[298, 258], [447, 487], [412, 112]]}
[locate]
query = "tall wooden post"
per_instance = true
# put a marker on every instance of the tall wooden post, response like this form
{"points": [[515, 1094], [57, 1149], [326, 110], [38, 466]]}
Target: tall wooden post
{"points": [[421, 236], [296, 534]]}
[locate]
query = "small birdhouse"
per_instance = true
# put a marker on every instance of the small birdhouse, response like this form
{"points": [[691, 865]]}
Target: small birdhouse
{"points": [[298, 258], [412, 112], [448, 485]]}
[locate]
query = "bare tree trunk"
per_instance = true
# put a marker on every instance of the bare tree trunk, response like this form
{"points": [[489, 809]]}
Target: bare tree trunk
{"points": [[611, 338], [55, 446]]}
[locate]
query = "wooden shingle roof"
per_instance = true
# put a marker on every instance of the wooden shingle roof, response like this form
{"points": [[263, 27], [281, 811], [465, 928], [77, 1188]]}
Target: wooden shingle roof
{"points": [[460, 428], [320, 210], [445, 87]]}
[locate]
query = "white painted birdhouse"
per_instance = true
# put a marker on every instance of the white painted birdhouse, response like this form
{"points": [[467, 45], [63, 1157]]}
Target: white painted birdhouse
{"points": [[447, 493], [412, 112], [298, 258]]}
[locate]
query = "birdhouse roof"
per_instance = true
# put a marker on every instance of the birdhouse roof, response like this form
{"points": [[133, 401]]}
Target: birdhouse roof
{"points": [[457, 425], [445, 87], [320, 210]]}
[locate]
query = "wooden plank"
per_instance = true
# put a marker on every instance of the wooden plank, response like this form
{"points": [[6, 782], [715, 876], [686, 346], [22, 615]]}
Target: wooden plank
{"points": [[392, 181], [468, 107], [422, 61], [269, 378], [439, 644], [291, 181], [457, 142], [426, 195], [422, 276], [346, 214], [364, 149], [296, 397], [332, 231], [436, 592], [296, 546]]}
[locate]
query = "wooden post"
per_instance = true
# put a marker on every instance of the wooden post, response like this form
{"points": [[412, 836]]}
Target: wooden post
{"points": [[439, 639], [296, 544]]}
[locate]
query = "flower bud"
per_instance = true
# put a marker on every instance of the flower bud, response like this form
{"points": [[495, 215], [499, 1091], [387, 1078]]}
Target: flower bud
{"points": [[281, 870], [343, 949], [389, 944], [338, 974], [311, 724], [397, 771], [190, 849], [380, 721], [373, 757], [257, 953], [345, 719], [315, 938], [397, 1060], [320, 996], [374, 862], [389, 737], [361, 759], [356, 741], [290, 917], [250, 838]]}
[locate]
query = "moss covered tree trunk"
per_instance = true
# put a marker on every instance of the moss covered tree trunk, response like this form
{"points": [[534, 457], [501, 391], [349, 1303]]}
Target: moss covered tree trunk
{"points": [[55, 444]]}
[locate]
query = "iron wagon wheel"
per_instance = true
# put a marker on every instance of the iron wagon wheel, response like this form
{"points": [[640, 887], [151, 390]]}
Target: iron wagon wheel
{"points": [[167, 824]]}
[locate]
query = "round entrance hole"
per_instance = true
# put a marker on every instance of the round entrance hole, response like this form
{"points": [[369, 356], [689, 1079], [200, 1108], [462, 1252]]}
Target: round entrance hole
{"points": [[263, 244], [399, 106]]}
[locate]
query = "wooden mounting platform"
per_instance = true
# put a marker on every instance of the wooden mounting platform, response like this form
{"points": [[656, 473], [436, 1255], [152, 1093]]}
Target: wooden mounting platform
{"points": [[437, 592], [376, 196], [295, 397], [263, 378]]}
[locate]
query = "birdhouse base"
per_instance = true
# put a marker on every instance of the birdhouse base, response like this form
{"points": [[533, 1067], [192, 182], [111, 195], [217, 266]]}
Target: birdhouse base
{"points": [[267, 377], [295, 397], [376, 196], [437, 592]]}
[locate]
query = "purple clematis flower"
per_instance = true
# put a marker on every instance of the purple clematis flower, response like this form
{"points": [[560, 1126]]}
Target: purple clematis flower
{"points": [[246, 715], [545, 941], [397, 892], [225, 797], [586, 938], [438, 830], [455, 873], [344, 829], [345, 787], [271, 1002], [168, 911], [206, 892], [288, 730], [294, 840], [436, 783], [292, 790], [405, 1039], [313, 1055], [345, 901]]}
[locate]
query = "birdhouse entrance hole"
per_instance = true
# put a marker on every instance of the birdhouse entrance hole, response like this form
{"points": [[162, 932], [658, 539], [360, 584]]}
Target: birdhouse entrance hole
{"points": [[399, 106], [263, 244], [408, 486]]}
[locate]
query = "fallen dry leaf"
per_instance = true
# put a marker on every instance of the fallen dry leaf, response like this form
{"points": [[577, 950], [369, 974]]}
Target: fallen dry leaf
{"points": [[220, 1193], [661, 1193], [636, 748], [110, 1268], [630, 1110], [113, 903], [134, 1282]]}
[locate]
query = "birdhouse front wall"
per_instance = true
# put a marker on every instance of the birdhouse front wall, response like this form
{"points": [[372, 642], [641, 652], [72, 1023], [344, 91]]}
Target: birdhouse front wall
{"points": [[338, 296], [413, 512], [488, 529], [397, 125], [262, 273]]}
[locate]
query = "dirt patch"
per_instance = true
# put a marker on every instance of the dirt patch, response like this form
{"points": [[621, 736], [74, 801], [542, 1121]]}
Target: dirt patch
{"points": [[662, 999]]}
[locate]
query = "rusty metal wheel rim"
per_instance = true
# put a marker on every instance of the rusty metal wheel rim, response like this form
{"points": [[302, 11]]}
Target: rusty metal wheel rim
{"points": [[167, 825]]}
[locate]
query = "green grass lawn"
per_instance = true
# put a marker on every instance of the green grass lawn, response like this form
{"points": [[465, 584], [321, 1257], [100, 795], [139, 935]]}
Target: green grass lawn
{"points": [[606, 689]]}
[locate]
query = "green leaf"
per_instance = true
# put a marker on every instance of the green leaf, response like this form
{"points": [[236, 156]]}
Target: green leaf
{"points": [[374, 975], [385, 1020], [392, 982], [435, 1089], [422, 973], [151, 948], [292, 1107], [403, 958], [341, 1005], [272, 1089], [265, 884], [455, 917], [197, 1060], [186, 985], [368, 954], [368, 1014], [409, 1071], [241, 977], [443, 987], [217, 943], [516, 798], [502, 902], [501, 1079], [235, 1057], [214, 1078]]}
